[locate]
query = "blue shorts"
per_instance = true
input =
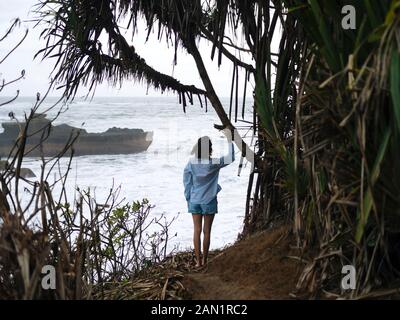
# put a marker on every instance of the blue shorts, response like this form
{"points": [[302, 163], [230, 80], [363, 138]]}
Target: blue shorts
{"points": [[209, 208]]}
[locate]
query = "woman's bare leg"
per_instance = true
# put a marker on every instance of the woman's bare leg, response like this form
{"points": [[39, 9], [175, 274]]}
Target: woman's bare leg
{"points": [[208, 220], [197, 223]]}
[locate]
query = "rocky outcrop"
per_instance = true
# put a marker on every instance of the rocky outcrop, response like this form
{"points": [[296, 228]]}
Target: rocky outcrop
{"points": [[113, 141], [24, 172]]}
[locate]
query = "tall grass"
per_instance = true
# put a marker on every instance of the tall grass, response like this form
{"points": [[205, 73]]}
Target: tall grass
{"points": [[340, 165]]}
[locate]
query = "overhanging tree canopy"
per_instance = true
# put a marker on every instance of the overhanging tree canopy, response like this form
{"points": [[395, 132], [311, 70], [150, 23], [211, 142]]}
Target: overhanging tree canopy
{"points": [[73, 38]]}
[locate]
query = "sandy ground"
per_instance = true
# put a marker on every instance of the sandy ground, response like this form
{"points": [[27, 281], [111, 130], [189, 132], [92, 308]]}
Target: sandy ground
{"points": [[259, 267]]}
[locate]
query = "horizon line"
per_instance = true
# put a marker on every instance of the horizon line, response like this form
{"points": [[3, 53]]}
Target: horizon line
{"points": [[111, 96]]}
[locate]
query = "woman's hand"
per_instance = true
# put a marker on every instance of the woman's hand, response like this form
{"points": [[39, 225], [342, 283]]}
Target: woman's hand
{"points": [[228, 133]]}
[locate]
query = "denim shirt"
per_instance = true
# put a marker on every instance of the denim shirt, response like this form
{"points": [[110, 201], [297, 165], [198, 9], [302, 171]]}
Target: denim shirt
{"points": [[200, 177]]}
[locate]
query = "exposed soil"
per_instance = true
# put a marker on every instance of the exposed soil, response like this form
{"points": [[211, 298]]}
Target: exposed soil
{"points": [[259, 267], [263, 266]]}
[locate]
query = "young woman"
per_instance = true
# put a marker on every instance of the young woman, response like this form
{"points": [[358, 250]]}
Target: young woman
{"points": [[200, 179]]}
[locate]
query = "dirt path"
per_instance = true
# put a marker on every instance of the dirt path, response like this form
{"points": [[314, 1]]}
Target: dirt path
{"points": [[255, 268]]}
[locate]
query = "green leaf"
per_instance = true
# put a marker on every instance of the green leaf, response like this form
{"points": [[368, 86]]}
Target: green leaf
{"points": [[263, 104], [395, 86], [372, 12], [298, 7], [392, 14], [368, 199], [331, 55]]}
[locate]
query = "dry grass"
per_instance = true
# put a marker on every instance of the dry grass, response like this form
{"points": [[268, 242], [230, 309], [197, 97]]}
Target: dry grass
{"points": [[161, 281]]}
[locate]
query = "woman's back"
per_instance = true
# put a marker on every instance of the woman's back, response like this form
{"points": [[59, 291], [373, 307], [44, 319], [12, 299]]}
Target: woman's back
{"points": [[200, 177]]}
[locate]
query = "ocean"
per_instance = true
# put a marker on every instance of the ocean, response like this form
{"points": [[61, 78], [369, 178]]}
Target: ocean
{"points": [[155, 174]]}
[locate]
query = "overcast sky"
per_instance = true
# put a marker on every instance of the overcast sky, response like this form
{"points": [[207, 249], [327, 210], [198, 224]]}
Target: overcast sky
{"points": [[156, 54]]}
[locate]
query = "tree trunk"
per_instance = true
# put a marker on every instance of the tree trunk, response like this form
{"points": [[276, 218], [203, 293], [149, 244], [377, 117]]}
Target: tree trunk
{"points": [[217, 105]]}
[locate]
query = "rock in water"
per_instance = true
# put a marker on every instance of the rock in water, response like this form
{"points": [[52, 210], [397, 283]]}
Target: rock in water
{"points": [[24, 172], [112, 141], [27, 173]]}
